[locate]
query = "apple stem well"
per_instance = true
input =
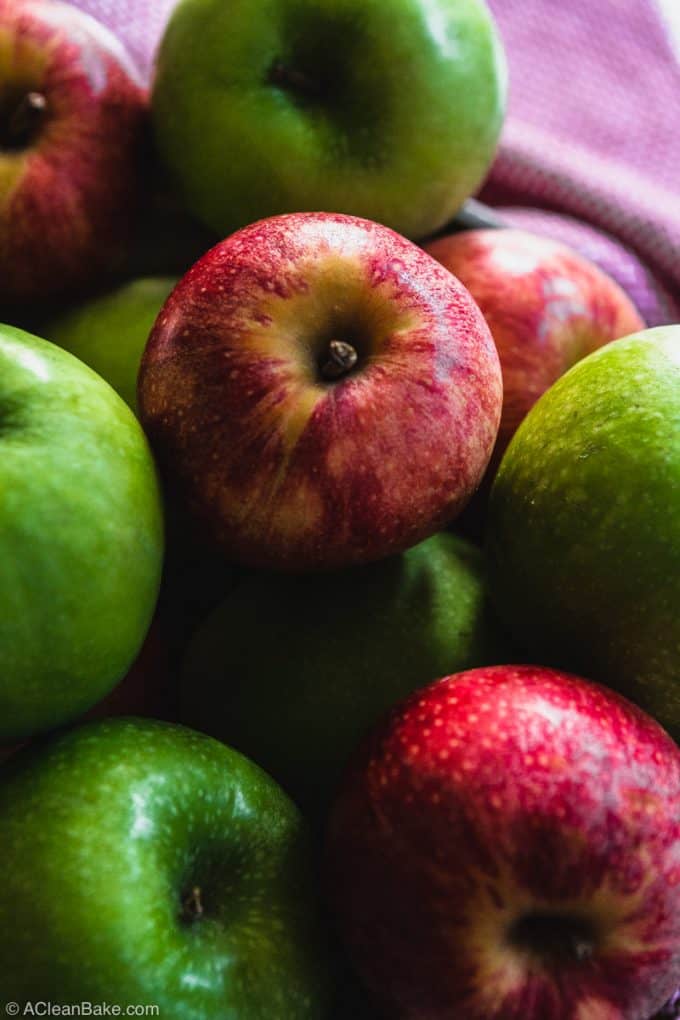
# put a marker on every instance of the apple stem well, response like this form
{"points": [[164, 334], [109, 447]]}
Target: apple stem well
{"points": [[555, 938], [293, 80], [341, 359], [23, 121], [192, 906]]}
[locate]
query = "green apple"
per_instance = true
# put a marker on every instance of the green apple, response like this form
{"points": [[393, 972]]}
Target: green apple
{"points": [[145, 864], [109, 332], [584, 527], [81, 536], [390, 111], [293, 669]]}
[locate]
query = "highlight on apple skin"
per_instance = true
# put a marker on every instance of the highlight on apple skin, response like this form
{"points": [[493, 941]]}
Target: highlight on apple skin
{"points": [[546, 306], [72, 118], [321, 391], [505, 847]]}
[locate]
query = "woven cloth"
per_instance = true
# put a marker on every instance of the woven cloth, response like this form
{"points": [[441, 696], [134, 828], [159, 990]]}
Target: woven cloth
{"points": [[594, 131]]}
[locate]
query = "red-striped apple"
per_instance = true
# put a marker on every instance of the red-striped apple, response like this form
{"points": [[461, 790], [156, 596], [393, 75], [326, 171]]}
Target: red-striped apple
{"points": [[322, 391], [72, 113], [546, 306]]}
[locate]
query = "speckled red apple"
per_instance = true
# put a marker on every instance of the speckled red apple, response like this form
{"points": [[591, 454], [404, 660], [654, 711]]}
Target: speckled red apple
{"points": [[72, 113], [546, 306], [322, 391], [507, 847]]}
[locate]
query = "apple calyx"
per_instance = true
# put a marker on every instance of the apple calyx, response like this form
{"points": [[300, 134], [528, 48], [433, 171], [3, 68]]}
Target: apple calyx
{"points": [[554, 939], [23, 121], [342, 357], [192, 906], [292, 80]]}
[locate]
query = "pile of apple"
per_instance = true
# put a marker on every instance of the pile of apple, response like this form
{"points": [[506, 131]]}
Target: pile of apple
{"points": [[250, 518]]}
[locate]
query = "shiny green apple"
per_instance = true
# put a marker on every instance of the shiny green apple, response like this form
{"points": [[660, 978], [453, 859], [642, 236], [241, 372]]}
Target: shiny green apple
{"points": [[390, 111], [81, 536], [109, 332], [145, 864], [584, 523]]}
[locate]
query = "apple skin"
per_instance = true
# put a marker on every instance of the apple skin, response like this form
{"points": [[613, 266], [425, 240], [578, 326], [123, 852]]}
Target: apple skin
{"points": [[109, 332], [331, 653], [546, 307], [68, 184], [583, 533], [505, 847], [286, 469], [82, 537], [147, 689], [107, 830], [390, 112]]}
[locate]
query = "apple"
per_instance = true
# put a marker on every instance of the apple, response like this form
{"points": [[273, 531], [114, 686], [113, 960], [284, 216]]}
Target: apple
{"points": [[546, 307], [584, 523], [386, 111], [109, 332], [72, 118], [81, 536], [505, 846], [330, 653], [146, 689], [321, 391], [147, 864], [650, 296]]}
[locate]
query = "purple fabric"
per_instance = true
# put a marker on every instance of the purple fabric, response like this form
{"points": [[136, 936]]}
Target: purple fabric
{"points": [[139, 23], [594, 124]]}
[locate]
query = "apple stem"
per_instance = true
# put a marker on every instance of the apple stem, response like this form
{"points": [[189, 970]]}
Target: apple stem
{"points": [[583, 950], [342, 358], [192, 906], [294, 81], [554, 937], [25, 119]]}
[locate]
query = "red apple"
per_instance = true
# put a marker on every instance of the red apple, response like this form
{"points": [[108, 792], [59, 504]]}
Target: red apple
{"points": [[507, 847], [546, 306], [322, 391], [71, 121]]}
